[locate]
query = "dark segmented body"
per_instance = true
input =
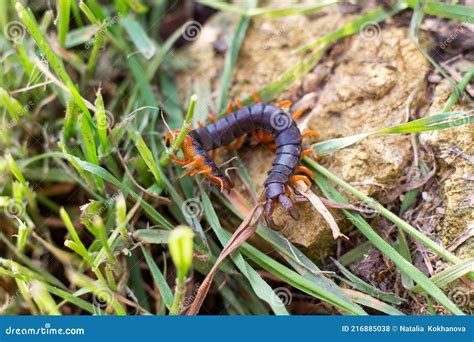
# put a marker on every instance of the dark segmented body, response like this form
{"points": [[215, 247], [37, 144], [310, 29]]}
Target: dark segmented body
{"points": [[271, 119]]}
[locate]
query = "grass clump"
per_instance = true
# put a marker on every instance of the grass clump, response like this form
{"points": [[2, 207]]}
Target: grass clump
{"points": [[86, 181]]}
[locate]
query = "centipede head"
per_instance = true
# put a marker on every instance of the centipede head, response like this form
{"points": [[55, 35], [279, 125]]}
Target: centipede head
{"points": [[197, 161], [286, 201]]}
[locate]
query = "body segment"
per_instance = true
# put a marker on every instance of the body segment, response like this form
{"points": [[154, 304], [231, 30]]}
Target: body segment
{"points": [[271, 119]]}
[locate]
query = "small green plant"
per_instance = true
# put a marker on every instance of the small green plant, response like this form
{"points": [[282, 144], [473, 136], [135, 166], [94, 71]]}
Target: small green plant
{"points": [[180, 244]]}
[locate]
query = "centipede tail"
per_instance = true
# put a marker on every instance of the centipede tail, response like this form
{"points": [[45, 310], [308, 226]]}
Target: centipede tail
{"points": [[269, 118]]}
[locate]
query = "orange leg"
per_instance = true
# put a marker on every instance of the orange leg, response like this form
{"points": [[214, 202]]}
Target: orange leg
{"points": [[188, 172], [197, 162], [305, 170], [207, 170], [296, 178], [217, 180], [178, 161], [235, 145], [289, 192], [238, 143], [201, 124], [254, 135], [283, 104], [267, 137], [297, 114], [268, 141], [308, 134], [238, 104], [212, 117], [307, 152], [169, 137], [255, 97], [258, 135], [229, 107], [194, 166]]}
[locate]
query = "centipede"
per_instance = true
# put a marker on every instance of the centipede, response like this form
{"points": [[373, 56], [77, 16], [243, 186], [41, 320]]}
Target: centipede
{"points": [[267, 123]]}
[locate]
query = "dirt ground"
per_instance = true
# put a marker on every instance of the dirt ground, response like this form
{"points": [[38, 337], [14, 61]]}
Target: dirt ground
{"points": [[369, 81]]}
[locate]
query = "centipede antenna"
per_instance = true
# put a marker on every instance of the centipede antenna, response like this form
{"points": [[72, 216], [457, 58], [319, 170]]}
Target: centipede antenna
{"points": [[228, 161], [166, 123], [226, 171]]}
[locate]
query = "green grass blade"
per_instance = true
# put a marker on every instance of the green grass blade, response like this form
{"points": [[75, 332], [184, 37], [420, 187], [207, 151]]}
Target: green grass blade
{"points": [[231, 56], [260, 287], [356, 253], [139, 37], [446, 10], [361, 285], [64, 12], [458, 90], [373, 303], [152, 236], [375, 16], [107, 176], [101, 121], [332, 145], [159, 278], [60, 293], [300, 262], [70, 121], [442, 252], [147, 157], [90, 149], [430, 123], [331, 193], [32, 26], [269, 12], [449, 275], [404, 251], [13, 107], [296, 280], [269, 91]]}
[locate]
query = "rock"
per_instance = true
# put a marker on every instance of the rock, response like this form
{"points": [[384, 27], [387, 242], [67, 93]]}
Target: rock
{"points": [[364, 84], [454, 149]]}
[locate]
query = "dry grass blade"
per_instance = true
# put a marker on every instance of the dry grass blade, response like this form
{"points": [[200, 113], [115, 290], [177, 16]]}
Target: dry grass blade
{"points": [[321, 208], [245, 230]]}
